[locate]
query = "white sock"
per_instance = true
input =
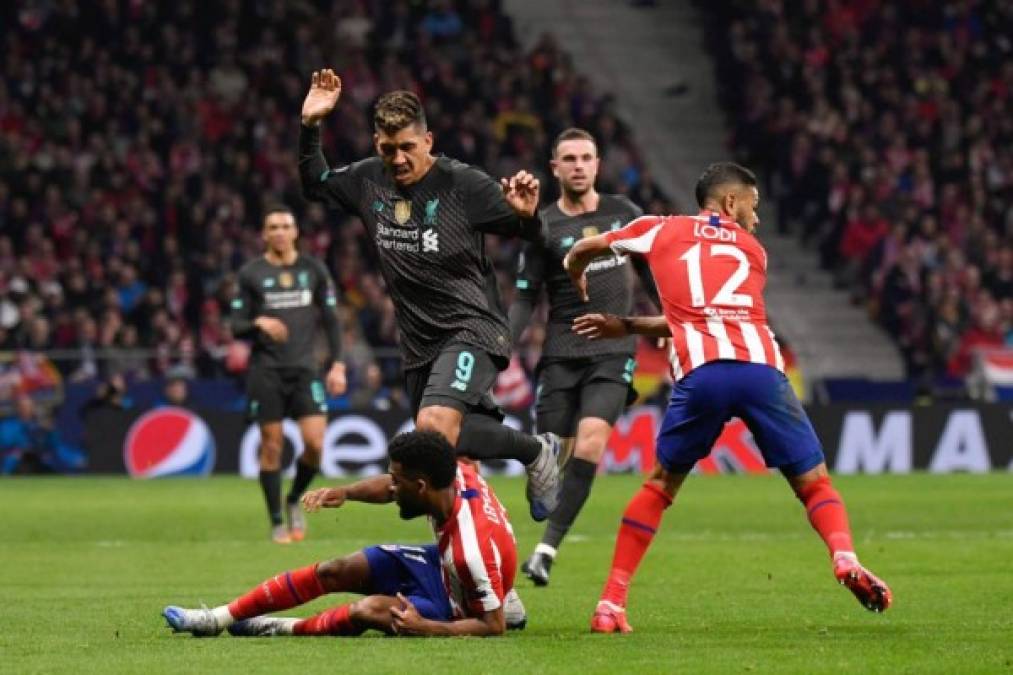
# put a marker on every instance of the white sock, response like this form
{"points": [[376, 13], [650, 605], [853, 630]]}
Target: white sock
{"points": [[850, 555], [545, 549], [287, 625], [223, 616]]}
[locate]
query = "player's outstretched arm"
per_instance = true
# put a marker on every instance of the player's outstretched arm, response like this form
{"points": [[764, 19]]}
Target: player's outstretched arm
{"points": [[406, 620], [610, 326], [337, 189], [373, 490]]}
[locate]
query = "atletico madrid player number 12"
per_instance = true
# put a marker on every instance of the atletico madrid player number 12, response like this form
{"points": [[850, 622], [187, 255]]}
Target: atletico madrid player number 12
{"points": [[710, 271]]}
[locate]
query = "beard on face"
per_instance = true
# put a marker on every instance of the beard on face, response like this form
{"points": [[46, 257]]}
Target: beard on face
{"points": [[408, 510], [573, 192]]}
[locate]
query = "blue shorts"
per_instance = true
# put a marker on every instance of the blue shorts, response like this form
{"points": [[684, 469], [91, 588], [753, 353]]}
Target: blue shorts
{"points": [[412, 571], [759, 395]]}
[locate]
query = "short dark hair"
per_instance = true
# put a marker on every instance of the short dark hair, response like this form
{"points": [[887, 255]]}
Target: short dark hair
{"points": [[397, 110], [572, 134], [277, 208], [722, 173], [425, 454]]}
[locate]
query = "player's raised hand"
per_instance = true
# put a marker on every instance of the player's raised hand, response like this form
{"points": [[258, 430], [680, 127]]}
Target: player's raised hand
{"points": [[599, 326], [327, 498], [274, 328], [336, 381], [521, 192], [325, 89], [405, 618]]}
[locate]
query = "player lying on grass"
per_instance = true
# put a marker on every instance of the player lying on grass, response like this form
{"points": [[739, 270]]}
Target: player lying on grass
{"points": [[710, 272], [462, 585]]}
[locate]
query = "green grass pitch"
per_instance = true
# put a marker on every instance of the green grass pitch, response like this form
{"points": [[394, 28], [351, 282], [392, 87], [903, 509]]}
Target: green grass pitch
{"points": [[735, 582]]}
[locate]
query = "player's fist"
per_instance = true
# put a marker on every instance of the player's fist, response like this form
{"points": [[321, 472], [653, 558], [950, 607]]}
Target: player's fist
{"points": [[336, 381], [326, 498], [274, 328], [521, 192], [599, 326], [325, 89]]}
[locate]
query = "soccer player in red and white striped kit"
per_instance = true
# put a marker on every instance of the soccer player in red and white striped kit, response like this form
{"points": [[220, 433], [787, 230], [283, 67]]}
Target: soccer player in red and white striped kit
{"points": [[461, 585], [710, 271]]}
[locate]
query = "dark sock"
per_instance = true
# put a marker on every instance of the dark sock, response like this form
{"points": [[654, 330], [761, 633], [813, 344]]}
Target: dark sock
{"points": [[270, 483], [484, 437], [304, 474], [577, 479]]}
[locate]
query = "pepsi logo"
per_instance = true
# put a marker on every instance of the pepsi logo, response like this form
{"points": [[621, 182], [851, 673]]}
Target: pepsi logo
{"points": [[169, 441]]}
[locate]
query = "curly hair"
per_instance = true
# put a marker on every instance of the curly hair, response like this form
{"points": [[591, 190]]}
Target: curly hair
{"points": [[396, 110], [426, 454]]}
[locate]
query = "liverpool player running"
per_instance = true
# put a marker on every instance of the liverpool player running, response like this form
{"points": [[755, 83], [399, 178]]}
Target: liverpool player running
{"points": [[458, 586], [710, 271], [582, 386], [283, 296], [427, 216]]}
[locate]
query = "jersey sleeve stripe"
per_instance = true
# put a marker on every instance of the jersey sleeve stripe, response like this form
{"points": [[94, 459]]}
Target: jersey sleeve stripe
{"points": [[753, 342], [716, 327], [474, 561], [694, 343], [637, 237]]}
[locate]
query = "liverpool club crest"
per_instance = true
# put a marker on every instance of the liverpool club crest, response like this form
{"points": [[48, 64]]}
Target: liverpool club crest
{"points": [[402, 211]]}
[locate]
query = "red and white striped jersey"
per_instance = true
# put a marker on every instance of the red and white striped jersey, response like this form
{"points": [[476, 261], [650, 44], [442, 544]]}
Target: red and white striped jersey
{"points": [[477, 547], [710, 274]]}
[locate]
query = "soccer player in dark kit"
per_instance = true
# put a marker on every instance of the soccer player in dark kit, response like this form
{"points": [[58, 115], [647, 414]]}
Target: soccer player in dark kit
{"points": [[283, 297], [583, 386], [427, 216]]}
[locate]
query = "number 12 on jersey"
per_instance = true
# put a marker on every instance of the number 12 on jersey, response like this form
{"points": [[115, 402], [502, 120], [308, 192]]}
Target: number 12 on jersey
{"points": [[727, 295]]}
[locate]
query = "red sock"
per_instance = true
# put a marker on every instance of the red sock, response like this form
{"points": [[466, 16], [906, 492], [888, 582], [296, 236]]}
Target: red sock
{"points": [[284, 591], [636, 531], [336, 621], [827, 514]]}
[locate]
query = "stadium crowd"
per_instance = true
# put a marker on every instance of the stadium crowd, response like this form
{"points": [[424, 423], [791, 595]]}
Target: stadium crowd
{"points": [[139, 143], [884, 132]]}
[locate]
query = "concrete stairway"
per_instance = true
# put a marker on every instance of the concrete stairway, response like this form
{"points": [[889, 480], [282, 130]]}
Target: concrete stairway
{"points": [[653, 60]]}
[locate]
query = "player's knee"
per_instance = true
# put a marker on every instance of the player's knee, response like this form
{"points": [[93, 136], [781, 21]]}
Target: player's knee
{"points": [[331, 573], [271, 440], [592, 437], [813, 480], [665, 480], [372, 611], [270, 456], [311, 455], [590, 449], [445, 421]]}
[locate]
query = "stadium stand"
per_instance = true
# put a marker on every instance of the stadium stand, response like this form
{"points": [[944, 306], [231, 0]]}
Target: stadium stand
{"points": [[883, 131], [140, 142]]}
